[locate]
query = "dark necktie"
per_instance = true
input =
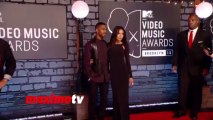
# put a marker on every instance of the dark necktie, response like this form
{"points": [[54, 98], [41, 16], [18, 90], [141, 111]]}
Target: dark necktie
{"points": [[190, 39]]}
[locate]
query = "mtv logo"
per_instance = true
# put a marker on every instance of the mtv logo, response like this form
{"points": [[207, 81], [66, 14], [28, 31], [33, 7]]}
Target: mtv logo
{"points": [[147, 14]]}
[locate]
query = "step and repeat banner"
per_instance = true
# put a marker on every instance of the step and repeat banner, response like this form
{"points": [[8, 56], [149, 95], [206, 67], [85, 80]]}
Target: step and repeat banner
{"points": [[34, 31], [151, 28], [208, 90], [208, 24]]}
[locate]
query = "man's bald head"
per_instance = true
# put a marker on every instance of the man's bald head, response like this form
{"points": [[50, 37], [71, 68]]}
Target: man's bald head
{"points": [[193, 21]]}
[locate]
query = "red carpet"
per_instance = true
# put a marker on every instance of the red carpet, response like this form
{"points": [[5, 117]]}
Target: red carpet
{"points": [[166, 115]]}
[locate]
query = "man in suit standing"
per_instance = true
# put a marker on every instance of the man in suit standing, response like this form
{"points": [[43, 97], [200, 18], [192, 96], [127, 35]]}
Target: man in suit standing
{"points": [[7, 63], [96, 68], [192, 65]]}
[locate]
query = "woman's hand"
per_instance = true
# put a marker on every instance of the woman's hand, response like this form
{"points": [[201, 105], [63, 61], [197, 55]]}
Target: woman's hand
{"points": [[131, 82]]}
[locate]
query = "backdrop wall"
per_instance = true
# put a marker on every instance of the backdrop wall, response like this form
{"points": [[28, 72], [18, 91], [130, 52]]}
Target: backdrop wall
{"points": [[46, 76]]}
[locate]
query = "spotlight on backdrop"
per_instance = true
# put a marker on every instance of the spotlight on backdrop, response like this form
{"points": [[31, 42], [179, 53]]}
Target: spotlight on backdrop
{"points": [[80, 10], [204, 10]]}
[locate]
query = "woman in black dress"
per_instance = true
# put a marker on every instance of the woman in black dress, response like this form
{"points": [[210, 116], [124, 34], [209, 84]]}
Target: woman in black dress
{"points": [[120, 73]]}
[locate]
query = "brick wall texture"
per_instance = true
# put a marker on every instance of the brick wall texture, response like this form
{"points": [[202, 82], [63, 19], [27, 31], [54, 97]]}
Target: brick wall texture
{"points": [[153, 83]]}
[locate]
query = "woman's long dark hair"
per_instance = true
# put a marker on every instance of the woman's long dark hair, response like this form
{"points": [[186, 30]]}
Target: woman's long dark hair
{"points": [[114, 35]]}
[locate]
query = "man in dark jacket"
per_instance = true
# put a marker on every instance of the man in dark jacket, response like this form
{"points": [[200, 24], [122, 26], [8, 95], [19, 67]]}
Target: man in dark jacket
{"points": [[96, 68], [7, 63], [192, 65]]}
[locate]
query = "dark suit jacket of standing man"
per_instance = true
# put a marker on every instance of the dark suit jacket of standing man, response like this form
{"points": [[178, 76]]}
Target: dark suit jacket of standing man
{"points": [[98, 73], [7, 60], [96, 50], [191, 62]]}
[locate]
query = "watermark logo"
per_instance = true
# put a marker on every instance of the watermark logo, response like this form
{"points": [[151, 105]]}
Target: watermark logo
{"points": [[54, 99]]}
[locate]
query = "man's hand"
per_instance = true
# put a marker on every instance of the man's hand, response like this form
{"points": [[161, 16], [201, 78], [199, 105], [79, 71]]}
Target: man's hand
{"points": [[174, 69], [205, 72], [131, 82], [91, 61], [206, 51], [3, 82]]}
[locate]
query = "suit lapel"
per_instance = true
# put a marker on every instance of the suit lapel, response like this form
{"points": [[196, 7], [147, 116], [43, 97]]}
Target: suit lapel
{"points": [[186, 39], [196, 38]]}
